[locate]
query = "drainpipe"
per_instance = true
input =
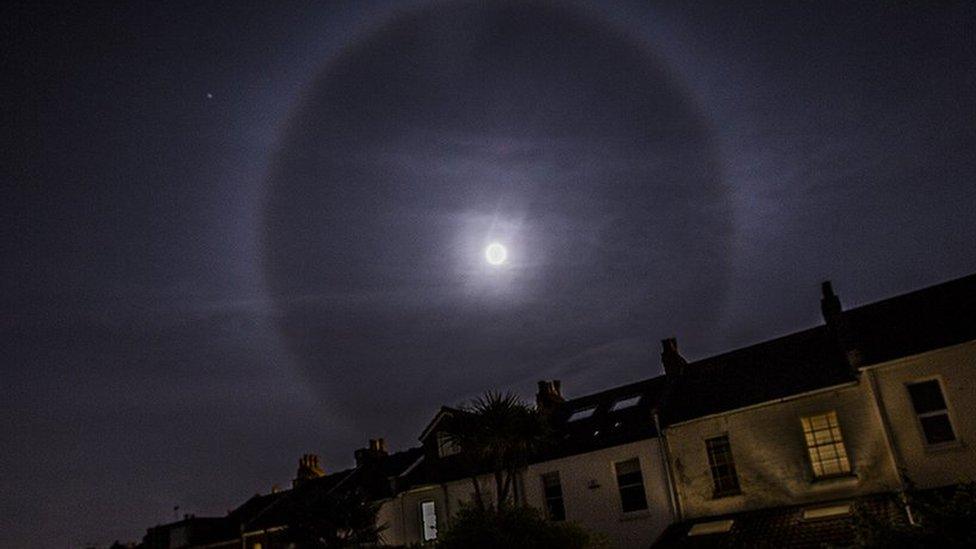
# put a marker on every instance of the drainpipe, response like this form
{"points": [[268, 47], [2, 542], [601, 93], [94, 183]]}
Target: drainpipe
{"points": [[673, 500], [893, 453]]}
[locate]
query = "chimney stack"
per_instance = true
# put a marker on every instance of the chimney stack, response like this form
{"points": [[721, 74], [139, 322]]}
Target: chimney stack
{"points": [[549, 396], [674, 364], [833, 315], [829, 303], [373, 453], [308, 469]]}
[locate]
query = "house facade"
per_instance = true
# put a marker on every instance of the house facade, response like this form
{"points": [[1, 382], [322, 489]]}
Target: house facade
{"points": [[775, 443]]}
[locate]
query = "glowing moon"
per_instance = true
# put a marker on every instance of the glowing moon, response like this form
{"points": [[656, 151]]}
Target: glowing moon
{"points": [[496, 254]]}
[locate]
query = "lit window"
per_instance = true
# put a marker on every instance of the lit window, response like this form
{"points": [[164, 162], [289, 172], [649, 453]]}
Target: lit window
{"points": [[933, 414], [825, 445], [553, 491], [630, 481], [582, 413], [625, 403], [446, 446], [724, 478], [428, 514]]}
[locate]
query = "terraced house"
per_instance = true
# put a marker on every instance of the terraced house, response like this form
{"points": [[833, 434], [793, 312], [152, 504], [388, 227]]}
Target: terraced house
{"points": [[773, 444]]}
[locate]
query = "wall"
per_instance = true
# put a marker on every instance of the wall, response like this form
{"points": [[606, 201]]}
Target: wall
{"points": [[956, 367], [770, 454], [596, 509], [591, 498]]}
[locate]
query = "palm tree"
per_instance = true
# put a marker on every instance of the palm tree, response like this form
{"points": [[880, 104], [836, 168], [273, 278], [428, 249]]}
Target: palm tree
{"points": [[499, 433], [328, 518]]}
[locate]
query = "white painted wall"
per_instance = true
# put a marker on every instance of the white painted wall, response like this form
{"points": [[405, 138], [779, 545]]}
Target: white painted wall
{"points": [[597, 509], [591, 498], [956, 368], [770, 453]]}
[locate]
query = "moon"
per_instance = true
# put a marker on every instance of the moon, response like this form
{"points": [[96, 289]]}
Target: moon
{"points": [[496, 254]]}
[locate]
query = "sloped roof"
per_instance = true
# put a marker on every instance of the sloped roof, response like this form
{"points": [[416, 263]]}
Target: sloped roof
{"points": [[607, 426], [904, 325], [789, 365], [785, 526], [916, 322]]}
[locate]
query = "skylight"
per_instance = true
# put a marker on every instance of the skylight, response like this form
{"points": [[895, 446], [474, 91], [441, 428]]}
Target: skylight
{"points": [[582, 413], [625, 403]]}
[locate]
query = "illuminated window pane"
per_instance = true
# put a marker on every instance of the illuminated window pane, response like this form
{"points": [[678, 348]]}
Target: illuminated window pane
{"points": [[825, 445], [428, 517]]}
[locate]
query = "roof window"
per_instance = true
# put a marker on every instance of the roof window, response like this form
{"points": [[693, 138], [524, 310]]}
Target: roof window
{"points": [[582, 413], [625, 403]]}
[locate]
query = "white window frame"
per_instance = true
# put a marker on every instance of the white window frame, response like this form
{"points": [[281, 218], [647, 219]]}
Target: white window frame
{"points": [[948, 412], [843, 443], [620, 489]]}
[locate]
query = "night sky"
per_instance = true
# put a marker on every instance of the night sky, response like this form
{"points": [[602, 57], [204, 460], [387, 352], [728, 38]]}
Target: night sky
{"points": [[236, 233]]}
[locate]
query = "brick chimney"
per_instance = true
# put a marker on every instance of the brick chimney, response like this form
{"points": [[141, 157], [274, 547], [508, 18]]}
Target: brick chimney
{"points": [[549, 396], [373, 453], [674, 364], [308, 469], [833, 315]]}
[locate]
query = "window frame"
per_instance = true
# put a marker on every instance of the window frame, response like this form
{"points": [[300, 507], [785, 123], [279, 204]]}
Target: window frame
{"points": [[808, 417], [947, 411], [616, 406], [580, 414], [716, 493], [546, 498], [620, 488]]}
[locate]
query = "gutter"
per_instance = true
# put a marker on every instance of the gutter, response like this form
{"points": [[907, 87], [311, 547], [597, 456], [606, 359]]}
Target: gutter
{"points": [[673, 500], [897, 462]]}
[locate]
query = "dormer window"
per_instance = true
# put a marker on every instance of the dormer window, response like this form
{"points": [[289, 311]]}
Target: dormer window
{"points": [[446, 446], [625, 403], [582, 413]]}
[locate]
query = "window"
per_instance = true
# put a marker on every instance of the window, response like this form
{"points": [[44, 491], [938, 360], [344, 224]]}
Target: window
{"points": [[631, 484], [625, 403], [932, 411], [828, 456], [552, 490], [582, 413], [446, 446], [724, 478], [428, 515]]}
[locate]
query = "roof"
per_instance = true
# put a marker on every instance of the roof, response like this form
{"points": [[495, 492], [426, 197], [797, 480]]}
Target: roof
{"points": [[904, 325], [444, 411], [607, 426], [916, 322], [789, 365], [822, 524]]}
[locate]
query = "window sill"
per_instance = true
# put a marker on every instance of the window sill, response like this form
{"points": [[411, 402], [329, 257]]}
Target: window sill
{"points": [[635, 515], [944, 447], [726, 495], [838, 481]]}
